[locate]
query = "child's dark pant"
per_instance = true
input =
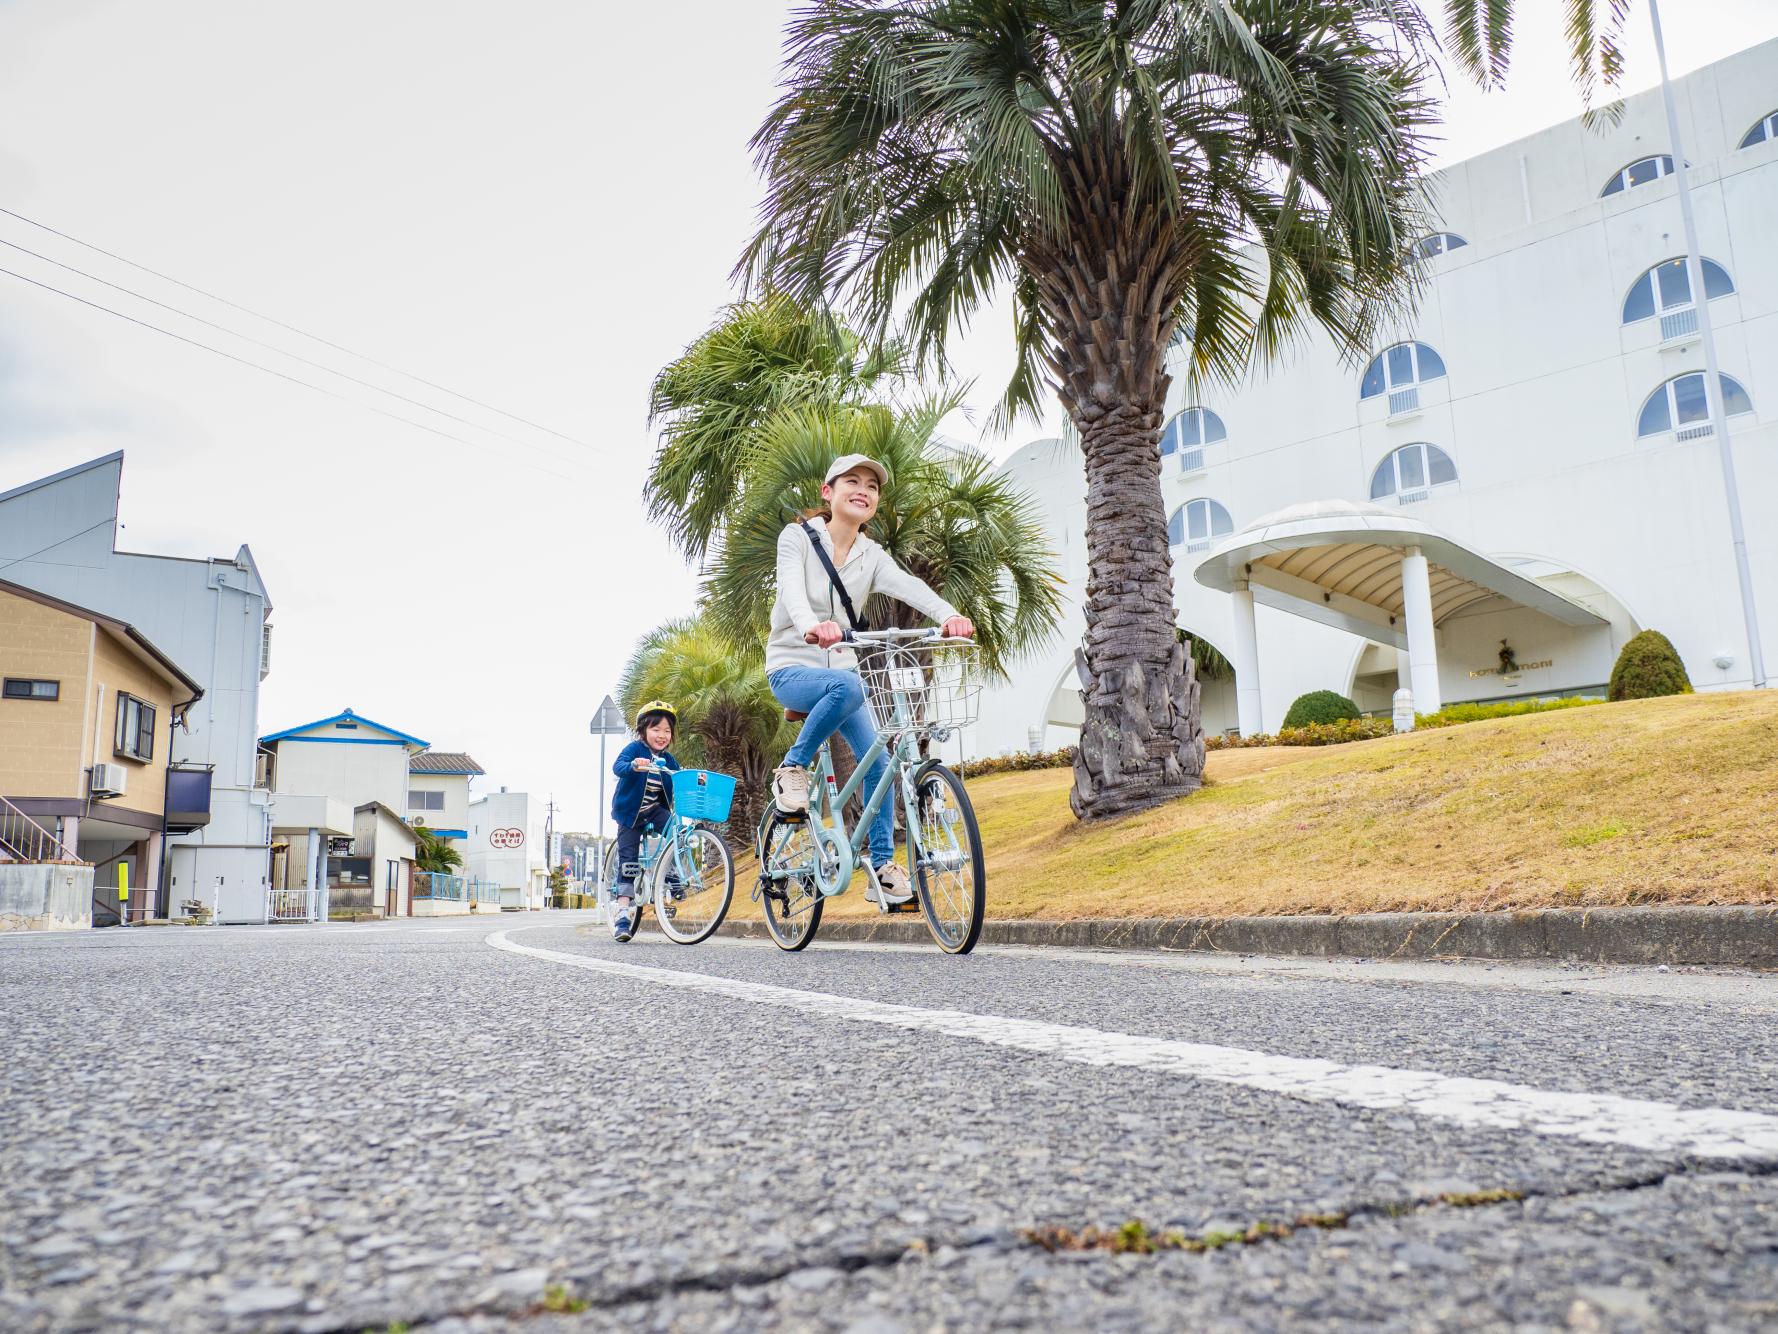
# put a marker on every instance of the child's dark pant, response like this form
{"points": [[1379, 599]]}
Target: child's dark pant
{"points": [[651, 820]]}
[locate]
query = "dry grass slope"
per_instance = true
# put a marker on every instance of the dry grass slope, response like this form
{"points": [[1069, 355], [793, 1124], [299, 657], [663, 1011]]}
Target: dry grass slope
{"points": [[1656, 801]]}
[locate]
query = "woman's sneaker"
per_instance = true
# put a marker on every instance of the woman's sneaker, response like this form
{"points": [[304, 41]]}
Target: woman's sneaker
{"points": [[790, 789], [623, 926], [894, 881]]}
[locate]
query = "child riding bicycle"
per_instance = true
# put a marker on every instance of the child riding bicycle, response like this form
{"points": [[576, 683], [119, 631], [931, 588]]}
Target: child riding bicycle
{"points": [[827, 566], [642, 804]]}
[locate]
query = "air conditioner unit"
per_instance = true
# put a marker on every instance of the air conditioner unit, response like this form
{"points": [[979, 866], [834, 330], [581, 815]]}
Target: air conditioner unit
{"points": [[110, 780]]}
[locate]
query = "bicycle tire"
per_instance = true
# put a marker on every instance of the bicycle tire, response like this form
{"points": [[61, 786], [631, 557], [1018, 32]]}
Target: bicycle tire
{"points": [[792, 908], [669, 920], [954, 910]]}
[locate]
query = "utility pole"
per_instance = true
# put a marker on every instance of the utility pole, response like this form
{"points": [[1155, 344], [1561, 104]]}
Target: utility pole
{"points": [[1719, 423]]}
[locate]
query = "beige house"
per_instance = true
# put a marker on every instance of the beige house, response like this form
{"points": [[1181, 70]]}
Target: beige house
{"points": [[87, 707]]}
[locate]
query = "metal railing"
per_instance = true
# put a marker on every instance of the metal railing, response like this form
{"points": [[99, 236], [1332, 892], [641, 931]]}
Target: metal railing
{"points": [[1679, 324], [1191, 460], [454, 888], [1412, 497], [1697, 432], [22, 839], [1404, 400]]}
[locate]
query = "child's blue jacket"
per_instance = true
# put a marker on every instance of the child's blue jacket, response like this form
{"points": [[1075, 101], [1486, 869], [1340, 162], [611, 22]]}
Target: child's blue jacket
{"points": [[627, 800]]}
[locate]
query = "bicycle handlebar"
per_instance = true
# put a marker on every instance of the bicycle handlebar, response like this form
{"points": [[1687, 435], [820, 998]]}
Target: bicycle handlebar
{"points": [[890, 636]]}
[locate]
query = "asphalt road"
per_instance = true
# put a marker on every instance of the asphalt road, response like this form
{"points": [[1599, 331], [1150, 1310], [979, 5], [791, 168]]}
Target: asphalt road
{"points": [[460, 1124]]}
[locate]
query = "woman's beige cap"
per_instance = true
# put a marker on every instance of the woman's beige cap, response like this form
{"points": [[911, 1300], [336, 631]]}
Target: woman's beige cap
{"points": [[846, 462]]}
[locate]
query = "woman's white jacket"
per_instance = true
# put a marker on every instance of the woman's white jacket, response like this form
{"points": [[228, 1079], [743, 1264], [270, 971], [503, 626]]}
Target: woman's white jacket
{"points": [[806, 595]]}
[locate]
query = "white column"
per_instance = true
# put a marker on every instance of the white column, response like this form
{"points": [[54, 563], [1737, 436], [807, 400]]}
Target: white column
{"points": [[151, 876], [1416, 596], [1404, 674], [1248, 714], [317, 873]]}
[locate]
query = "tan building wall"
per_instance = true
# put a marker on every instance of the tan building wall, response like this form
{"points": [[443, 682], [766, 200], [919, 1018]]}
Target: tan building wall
{"points": [[40, 740], [47, 746], [116, 668]]}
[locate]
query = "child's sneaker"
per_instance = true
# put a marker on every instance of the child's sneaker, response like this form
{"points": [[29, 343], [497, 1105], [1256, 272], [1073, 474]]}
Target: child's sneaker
{"points": [[894, 880], [623, 926]]}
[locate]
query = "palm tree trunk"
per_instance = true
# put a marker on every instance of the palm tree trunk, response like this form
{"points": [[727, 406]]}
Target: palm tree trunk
{"points": [[1108, 294]]}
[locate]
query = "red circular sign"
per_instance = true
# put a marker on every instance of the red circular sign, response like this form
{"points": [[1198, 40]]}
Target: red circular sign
{"points": [[507, 838]]}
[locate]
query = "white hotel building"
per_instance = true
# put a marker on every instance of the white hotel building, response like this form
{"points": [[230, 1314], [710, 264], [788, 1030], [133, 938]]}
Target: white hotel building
{"points": [[1528, 461]]}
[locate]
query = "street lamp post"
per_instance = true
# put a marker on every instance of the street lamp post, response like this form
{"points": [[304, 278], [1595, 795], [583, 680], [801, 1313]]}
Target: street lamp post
{"points": [[609, 721], [1719, 424]]}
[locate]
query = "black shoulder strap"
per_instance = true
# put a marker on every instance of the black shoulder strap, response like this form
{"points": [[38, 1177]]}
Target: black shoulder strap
{"points": [[834, 576]]}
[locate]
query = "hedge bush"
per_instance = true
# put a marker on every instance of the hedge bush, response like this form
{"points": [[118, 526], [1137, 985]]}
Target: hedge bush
{"points": [[1648, 668], [1452, 714], [1320, 706]]}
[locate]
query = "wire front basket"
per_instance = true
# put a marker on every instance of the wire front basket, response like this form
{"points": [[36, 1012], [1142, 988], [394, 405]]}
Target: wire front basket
{"points": [[928, 687]]}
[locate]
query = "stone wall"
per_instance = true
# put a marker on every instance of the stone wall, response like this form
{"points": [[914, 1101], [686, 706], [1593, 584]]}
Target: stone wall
{"points": [[45, 898]]}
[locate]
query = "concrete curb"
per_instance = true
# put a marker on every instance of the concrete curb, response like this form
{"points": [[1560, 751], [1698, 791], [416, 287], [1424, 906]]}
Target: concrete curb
{"points": [[1742, 937]]}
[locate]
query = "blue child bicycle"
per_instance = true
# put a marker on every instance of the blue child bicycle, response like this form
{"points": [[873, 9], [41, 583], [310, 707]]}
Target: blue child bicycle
{"points": [[686, 871]]}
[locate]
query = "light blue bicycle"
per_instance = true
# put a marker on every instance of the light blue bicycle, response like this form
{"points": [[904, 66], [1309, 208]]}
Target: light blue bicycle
{"points": [[920, 689], [686, 871]]}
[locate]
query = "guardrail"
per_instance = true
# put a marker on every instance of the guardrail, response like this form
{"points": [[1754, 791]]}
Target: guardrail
{"points": [[22, 839], [438, 885]]}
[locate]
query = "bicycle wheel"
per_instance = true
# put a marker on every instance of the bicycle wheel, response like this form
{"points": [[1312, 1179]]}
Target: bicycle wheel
{"points": [[950, 876], [792, 905], [693, 882]]}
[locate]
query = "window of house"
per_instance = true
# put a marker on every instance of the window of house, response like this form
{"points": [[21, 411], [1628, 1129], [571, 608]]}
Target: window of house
{"points": [[1402, 367], [19, 687], [1197, 524], [1188, 433], [1411, 472], [1640, 172], [1681, 405], [135, 728], [425, 801], [1762, 131], [1666, 290], [1439, 243]]}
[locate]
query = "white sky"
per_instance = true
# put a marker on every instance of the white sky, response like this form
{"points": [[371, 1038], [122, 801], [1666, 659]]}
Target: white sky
{"points": [[534, 203]]}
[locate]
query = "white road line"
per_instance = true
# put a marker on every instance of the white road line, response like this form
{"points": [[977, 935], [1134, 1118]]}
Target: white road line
{"points": [[1598, 1118]]}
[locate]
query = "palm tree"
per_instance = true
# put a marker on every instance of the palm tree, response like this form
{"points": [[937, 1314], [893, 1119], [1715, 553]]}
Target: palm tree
{"points": [[728, 720], [948, 516], [1241, 170], [434, 853], [714, 400], [1480, 35]]}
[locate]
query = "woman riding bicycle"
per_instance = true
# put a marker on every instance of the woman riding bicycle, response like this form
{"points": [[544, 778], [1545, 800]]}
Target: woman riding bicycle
{"points": [[827, 568]]}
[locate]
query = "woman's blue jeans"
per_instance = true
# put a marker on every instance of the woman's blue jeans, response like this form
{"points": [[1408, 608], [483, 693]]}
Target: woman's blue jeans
{"points": [[834, 701]]}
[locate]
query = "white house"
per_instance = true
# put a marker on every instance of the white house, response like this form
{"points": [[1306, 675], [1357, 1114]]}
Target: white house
{"points": [[1511, 484], [506, 846], [58, 535], [438, 792]]}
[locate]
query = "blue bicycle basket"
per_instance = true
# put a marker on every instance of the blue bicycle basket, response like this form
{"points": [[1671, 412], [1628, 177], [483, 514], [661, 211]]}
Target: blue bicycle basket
{"points": [[699, 794]]}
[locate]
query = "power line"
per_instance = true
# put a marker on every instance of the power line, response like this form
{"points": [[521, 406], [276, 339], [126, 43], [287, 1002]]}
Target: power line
{"points": [[282, 352], [60, 541], [247, 310], [319, 389]]}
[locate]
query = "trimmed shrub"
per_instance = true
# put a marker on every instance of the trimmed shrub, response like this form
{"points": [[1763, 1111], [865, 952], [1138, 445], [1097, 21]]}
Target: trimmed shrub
{"points": [[1453, 714], [1648, 668], [1019, 762], [1320, 706]]}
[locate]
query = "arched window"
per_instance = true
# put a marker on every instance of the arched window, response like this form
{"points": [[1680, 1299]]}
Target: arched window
{"points": [[1764, 130], [1681, 405], [1188, 433], [1411, 472], [1198, 523], [1399, 371], [1439, 243], [1639, 172], [1666, 290]]}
